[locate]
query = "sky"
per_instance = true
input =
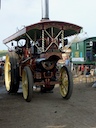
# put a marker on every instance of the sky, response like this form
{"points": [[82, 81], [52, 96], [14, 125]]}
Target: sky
{"points": [[15, 14]]}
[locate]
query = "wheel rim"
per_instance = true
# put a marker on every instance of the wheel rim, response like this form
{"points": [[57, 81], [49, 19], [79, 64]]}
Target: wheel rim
{"points": [[64, 82], [7, 73], [24, 84]]}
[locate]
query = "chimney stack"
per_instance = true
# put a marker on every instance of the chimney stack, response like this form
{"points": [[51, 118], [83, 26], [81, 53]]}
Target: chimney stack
{"points": [[45, 10]]}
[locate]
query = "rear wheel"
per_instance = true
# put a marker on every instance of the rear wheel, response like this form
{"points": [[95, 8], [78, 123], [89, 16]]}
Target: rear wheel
{"points": [[66, 82], [11, 73], [27, 84]]}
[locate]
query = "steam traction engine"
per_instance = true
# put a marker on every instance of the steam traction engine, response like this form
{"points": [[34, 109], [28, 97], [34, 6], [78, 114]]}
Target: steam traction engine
{"points": [[35, 59]]}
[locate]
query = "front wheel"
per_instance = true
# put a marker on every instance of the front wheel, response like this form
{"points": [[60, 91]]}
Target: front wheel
{"points": [[66, 82], [27, 83]]}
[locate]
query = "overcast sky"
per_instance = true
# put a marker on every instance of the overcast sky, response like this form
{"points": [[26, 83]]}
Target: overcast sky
{"points": [[14, 14]]}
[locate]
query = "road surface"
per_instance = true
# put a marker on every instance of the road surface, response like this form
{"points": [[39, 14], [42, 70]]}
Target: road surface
{"points": [[49, 110]]}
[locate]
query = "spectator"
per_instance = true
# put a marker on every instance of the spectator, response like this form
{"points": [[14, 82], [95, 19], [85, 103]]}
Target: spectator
{"points": [[88, 71], [67, 61], [82, 69]]}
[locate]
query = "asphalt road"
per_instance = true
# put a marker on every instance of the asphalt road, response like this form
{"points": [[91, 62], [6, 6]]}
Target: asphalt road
{"points": [[49, 110]]}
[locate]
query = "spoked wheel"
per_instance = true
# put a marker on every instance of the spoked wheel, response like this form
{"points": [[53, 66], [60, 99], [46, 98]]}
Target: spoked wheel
{"points": [[11, 73], [66, 82], [27, 84]]}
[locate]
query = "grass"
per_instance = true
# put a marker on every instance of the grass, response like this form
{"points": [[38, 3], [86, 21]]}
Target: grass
{"points": [[3, 53]]}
